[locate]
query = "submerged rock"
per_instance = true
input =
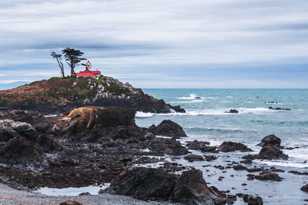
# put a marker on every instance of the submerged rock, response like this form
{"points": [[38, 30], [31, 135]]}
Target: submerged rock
{"points": [[268, 176], [279, 108], [70, 202], [233, 146], [168, 128], [232, 111], [193, 157]]}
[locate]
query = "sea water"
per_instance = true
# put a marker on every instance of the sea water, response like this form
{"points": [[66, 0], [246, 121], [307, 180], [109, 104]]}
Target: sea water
{"points": [[206, 120]]}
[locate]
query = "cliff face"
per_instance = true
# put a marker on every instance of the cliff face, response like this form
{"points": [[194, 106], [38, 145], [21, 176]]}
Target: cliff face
{"points": [[60, 95]]}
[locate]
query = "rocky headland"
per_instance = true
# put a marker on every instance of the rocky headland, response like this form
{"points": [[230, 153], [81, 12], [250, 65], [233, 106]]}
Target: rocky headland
{"points": [[63, 94]]}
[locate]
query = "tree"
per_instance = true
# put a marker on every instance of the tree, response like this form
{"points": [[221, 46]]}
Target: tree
{"points": [[58, 57], [72, 57]]}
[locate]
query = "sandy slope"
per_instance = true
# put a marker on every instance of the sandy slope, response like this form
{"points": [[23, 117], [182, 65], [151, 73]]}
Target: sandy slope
{"points": [[9, 196]]}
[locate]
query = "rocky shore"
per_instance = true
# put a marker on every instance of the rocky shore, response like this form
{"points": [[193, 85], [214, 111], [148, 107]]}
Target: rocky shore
{"points": [[94, 145]]}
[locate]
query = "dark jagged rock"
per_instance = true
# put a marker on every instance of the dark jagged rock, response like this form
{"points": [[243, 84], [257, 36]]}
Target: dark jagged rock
{"points": [[271, 140], [61, 95], [210, 157], [271, 149], [279, 108], [232, 111], [196, 145], [268, 176], [252, 200], [156, 184], [233, 146], [270, 153], [168, 128], [191, 189], [167, 146], [211, 149], [193, 157], [305, 188], [145, 184]]}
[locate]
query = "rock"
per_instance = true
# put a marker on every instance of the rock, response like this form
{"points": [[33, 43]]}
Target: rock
{"points": [[252, 200], [271, 152], [233, 146], [168, 128], [20, 150], [191, 189], [268, 176], [193, 157], [279, 108], [172, 167], [156, 184], [85, 194], [197, 145], [144, 183], [305, 188], [210, 157], [232, 111], [167, 146], [212, 149], [271, 140], [70, 202]]}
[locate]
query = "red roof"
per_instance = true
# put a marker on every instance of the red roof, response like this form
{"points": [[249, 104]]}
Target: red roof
{"points": [[88, 73]]}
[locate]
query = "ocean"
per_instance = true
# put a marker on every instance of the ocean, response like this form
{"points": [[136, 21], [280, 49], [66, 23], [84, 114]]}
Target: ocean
{"points": [[206, 120]]}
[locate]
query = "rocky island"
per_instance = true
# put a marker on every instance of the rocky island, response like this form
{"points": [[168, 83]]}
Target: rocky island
{"points": [[58, 95]]}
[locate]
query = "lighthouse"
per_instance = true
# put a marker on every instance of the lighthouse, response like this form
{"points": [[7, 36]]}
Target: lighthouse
{"points": [[88, 72]]}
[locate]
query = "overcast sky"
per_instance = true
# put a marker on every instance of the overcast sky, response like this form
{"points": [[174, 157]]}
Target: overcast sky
{"points": [[161, 43]]}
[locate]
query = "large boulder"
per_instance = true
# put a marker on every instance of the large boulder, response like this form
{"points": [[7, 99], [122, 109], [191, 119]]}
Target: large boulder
{"points": [[305, 188], [271, 152], [144, 183], [268, 176], [168, 128], [233, 146], [86, 118], [191, 189], [271, 140], [156, 184]]}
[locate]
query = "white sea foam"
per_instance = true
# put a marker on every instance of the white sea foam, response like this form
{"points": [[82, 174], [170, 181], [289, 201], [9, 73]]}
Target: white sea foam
{"points": [[191, 97], [144, 114], [283, 163], [71, 191]]}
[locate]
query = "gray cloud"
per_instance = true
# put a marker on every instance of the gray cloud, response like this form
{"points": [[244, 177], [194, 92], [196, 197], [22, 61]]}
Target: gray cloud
{"points": [[120, 35]]}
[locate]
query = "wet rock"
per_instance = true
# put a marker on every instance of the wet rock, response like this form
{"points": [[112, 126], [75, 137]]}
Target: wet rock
{"points": [[268, 176], [168, 128], [196, 145], [193, 157], [172, 167], [232, 111], [271, 152], [211, 149], [167, 146], [191, 189], [239, 167], [156, 184], [305, 188], [298, 173], [85, 194], [252, 200], [144, 183], [279, 108], [70, 202], [20, 150], [271, 140], [233, 146], [210, 157]]}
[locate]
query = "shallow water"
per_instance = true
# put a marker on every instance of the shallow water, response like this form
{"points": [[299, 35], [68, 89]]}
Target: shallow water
{"points": [[206, 120]]}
